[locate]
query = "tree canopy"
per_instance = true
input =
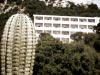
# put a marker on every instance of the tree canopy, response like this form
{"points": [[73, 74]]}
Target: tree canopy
{"points": [[55, 58]]}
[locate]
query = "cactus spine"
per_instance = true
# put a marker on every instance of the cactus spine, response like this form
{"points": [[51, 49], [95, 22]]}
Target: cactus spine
{"points": [[17, 46]]}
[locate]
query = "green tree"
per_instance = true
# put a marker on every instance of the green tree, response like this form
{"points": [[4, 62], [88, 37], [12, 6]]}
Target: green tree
{"points": [[56, 58], [90, 38], [34, 7], [97, 45], [97, 42], [97, 28], [48, 55], [77, 36], [18, 2]]}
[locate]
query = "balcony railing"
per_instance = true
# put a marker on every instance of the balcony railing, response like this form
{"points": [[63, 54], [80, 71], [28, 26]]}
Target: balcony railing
{"points": [[56, 25], [47, 18], [65, 25], [65, 33], [90, 26], [39, 18], [56, 32], [74, 26], [39, 24], [82, 26], [47, 25]]}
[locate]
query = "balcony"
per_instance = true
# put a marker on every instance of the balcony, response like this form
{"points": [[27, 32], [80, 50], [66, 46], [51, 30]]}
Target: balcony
{"points": [[74, 19], [47, 31], [72, 33], [65, 33], [74, 26], [47, 18], [39, 18], [82, 20], [56, 18], [47, 25], [56, 32], [82, 26], [90, 26], [65, 19], [65, 25], [38, 31], [56, 25], [91, 20], [39, 24]]}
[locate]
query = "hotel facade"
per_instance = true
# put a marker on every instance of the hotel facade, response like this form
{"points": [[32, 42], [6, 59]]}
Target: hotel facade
{"points": [[61, 27]]}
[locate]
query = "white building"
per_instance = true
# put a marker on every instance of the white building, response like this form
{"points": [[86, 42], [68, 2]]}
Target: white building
{"points": [[61, 27]]}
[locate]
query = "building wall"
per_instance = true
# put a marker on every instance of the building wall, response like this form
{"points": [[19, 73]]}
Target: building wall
{"points": [[61, 27]]}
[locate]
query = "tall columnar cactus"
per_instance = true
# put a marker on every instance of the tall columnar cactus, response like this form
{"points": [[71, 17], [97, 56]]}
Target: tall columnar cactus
{"points": [[17, 46]]}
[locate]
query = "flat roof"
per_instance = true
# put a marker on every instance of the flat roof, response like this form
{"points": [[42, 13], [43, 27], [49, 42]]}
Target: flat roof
{"points": [[63, 16]]}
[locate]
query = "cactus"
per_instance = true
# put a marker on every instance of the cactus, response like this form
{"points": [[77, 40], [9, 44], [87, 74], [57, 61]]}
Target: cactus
{"points": [[17, 46]]}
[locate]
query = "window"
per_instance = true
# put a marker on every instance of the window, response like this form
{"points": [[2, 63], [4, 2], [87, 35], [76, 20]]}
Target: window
{"points": [[39, 24], [65, 40], [90, 26], [39, 18], [82, 20], [72, 33], [47, 18], [74, 26], [91, 20], [38, 31], [58, 39], [47, 25], [65, 19], [82, 26], [56, 25], [65, 33], [74, 19], [56, 32], [47, 31], [56, 18], [65, 25]]}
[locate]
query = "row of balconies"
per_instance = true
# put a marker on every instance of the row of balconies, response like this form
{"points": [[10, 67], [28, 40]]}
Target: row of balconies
{"points": [[55, 32], [74, 26], [64, 36], [65, 19]]}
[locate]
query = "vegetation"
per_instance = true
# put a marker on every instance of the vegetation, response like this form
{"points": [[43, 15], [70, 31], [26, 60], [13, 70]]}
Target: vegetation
{"points": [[77, 36], [55, 58], [81, 57]]}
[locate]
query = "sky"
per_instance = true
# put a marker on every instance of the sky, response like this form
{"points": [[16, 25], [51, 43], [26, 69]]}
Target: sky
{"points": [[86, 1]]}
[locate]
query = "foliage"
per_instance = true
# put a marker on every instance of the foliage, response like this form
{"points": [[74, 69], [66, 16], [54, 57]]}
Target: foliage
{"points": [[18, 2], [97, 42], [56, 58], [39, 7], [34, 7], [97, 28], [97, 45], [78, 36], [90, 38]]}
